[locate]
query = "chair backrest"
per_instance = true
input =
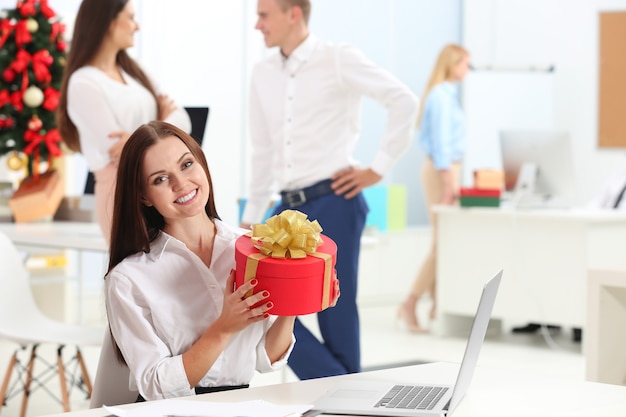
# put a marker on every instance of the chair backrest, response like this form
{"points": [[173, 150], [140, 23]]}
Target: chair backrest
{"points": [[16, 299], [90, 183], [110, 386], [199, 117]]}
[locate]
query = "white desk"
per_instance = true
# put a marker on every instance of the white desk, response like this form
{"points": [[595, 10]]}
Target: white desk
{"points": [[545, 255], [56, 235], [492, 393]]}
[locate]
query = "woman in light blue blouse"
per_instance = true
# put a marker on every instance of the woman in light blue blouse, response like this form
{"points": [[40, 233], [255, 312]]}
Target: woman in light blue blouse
{"points": [[442, 136]]}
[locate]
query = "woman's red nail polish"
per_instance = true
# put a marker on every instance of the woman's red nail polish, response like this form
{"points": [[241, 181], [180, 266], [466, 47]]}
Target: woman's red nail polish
{"points": [[254, 282], [266, 294]]}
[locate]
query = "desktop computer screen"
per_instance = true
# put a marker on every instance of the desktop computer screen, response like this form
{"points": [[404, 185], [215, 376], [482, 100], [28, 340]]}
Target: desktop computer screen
{"points": [[538, 167]]}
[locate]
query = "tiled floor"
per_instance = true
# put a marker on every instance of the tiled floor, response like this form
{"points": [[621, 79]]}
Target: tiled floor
{"points": [[384, 343]]}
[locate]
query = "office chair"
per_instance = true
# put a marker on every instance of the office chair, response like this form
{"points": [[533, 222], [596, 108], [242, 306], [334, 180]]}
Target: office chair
{"points": [[111, 384], [22, 322], [199, 117]]}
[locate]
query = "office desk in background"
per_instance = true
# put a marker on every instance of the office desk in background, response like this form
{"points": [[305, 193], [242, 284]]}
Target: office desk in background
{"points": [[545, 254], [56, 235], [492, 393]]}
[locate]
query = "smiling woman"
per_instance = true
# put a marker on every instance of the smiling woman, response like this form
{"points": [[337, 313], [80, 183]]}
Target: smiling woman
{"points": [[180, 325]]}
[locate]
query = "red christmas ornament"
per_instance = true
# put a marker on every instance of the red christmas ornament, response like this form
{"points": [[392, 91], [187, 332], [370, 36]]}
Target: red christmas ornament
{"points": [[35, 124], [4, 98], [61, 46], [8, 75]]}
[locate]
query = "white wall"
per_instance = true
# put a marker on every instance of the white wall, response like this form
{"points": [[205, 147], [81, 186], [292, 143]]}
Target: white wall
{"points": [[522, 33]]}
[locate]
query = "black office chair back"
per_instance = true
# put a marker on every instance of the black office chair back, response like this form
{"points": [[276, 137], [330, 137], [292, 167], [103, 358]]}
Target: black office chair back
{"points": [[199, 117]]}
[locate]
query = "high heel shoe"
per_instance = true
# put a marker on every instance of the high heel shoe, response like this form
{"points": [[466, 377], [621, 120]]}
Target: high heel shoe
{"points": [[409, 319]]}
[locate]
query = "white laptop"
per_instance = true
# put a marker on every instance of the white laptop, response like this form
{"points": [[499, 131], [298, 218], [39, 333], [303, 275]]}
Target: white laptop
{"points": [[415, 398]]}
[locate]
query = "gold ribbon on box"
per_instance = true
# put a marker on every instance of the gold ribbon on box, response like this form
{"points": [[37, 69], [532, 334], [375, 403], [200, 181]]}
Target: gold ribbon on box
{"points": [[289, 235]]}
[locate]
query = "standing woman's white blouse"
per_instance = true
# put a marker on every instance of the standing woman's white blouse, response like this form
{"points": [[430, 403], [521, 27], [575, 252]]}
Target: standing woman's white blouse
{"points": [[159, 303], [99, 105]]}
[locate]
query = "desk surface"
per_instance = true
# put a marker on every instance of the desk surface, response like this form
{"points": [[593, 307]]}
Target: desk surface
{"points": [[65, 235], [590, 215], [492, 393]]}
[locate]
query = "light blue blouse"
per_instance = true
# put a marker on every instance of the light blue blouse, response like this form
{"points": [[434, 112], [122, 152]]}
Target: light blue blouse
{"points": [[442, 131]]}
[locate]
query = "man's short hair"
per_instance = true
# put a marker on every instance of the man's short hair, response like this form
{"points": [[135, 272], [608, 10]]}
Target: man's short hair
{"points": [[304, 5]]}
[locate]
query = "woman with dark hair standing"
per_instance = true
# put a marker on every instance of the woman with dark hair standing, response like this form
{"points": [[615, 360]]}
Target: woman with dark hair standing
{"points": [[105, 95], [174, 313]]}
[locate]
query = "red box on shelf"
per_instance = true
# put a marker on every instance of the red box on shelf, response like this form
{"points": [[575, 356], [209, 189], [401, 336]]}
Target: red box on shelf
{"points": [[296, 286], [479, 192]]}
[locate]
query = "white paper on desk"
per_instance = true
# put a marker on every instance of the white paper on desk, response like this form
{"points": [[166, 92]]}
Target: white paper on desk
{"points": [[198, 408]]}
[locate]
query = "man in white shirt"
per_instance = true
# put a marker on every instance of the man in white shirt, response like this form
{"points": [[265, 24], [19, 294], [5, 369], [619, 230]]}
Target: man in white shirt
{"points": [[304, 124]]}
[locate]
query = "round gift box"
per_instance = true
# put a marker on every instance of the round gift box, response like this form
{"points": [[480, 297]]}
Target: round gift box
{"points": [[296, 286]]}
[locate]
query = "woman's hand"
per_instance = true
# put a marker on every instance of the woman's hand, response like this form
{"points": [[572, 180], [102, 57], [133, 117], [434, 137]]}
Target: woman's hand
{"points": [[116, 150], [240, 311], [166, 106], [336, 292]]}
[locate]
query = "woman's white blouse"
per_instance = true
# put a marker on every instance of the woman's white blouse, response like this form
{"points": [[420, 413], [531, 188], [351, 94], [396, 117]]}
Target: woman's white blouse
{"points": [[159, 303], [98, 106]]}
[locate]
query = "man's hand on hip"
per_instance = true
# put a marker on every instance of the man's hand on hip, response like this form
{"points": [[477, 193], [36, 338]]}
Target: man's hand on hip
{"points": [[351, 181]]}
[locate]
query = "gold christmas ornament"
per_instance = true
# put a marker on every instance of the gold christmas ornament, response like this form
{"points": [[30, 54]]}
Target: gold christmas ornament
{"points": [[33, 96], [16, 161], [31, 25]]}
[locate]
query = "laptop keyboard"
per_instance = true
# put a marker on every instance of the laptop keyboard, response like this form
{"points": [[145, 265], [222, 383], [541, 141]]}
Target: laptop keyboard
{"points": [[412, 397]]}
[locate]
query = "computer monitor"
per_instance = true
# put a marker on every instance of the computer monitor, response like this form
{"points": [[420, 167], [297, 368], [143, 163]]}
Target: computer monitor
{"points": [[538, 167]]}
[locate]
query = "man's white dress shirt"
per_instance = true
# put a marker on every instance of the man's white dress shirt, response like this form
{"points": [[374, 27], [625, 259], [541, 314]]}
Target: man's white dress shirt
{"points": [[305, 118]]}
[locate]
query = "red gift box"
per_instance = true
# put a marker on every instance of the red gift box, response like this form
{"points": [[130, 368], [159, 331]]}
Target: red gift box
{"points": [[478, 192], [296, 286]]}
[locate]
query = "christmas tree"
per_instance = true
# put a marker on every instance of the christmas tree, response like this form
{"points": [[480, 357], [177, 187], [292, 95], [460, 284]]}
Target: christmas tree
{"points": [[32, 57]]}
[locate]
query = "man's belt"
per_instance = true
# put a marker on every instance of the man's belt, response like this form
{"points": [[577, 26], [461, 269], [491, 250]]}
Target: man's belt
{"points": [[295, 198]]}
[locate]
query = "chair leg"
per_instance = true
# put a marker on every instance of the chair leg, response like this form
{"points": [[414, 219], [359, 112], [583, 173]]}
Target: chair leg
{"points": [[7, 378], [29, 379], [64, 395], [83, 369]]}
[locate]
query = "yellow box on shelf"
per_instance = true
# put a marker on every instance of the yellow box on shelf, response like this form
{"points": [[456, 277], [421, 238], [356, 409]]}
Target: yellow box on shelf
{"points": [[46, 261]]}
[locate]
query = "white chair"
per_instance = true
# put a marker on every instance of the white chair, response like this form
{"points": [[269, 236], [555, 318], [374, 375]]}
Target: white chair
{"points": [[22, 322]]}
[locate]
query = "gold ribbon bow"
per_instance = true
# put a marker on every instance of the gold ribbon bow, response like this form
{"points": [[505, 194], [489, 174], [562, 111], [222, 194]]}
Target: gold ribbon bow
{"points": [[287, 235]]}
